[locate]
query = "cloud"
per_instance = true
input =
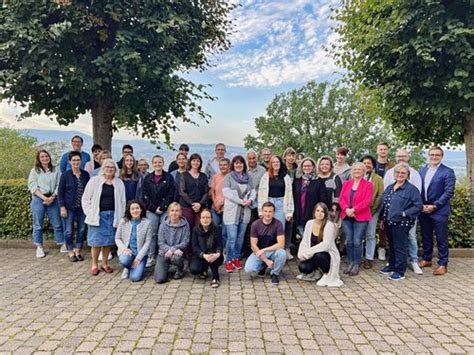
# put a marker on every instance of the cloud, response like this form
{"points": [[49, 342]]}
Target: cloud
{"points": [[279, 42]]}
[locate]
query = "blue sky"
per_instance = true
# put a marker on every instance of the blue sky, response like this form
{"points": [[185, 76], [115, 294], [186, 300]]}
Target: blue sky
{"points": [[278, 46]]}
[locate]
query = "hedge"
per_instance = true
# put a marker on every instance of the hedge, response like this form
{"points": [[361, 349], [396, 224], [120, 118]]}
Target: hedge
{"points": [[16, 223]]}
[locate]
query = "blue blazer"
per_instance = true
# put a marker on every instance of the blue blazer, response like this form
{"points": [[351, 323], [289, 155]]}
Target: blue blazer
{"points": [[406, 199], [67, 188], [441, 189]]}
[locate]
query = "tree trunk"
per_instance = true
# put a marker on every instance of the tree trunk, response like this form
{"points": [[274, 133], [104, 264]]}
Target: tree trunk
{"points": [[102, 116], [469, 142]]}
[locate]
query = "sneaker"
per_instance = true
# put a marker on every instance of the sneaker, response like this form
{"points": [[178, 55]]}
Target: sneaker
{"points": [[262, 272], [314, 276], [288, 255], [275, 279], [150, 262], [63, 249], [322, 281], [382, 253], [40, 252], [416, 268], [396, 276], [387, 270], [178, 275], [229, 267], [124, 274], [368, 264], [237, 265]]}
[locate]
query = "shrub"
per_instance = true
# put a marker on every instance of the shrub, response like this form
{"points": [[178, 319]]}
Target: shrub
{"points": [[461, 233]]}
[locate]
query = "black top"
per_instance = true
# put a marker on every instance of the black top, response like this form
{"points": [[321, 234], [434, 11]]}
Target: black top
{"points": [[380, 169], [314, 194], [159, 194], [107, 200], [351, 198], [332, 187], [193, 190], [96, 165], [173, 166], [314, 240], [276, 187], [209, 242]]}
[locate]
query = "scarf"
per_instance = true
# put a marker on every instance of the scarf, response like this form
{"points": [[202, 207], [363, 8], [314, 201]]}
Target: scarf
{"points": [[241, 179], [306, 179]]}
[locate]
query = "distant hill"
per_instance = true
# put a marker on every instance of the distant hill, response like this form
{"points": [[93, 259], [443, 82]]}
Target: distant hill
{"points": [[455, 159]]}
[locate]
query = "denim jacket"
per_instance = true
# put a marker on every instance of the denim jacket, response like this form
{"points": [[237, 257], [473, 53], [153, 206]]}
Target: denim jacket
{"points": [[406, 199]]}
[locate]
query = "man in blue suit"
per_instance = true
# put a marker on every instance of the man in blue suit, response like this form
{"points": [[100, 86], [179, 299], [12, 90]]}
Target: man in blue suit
{"points": [[437, 189]]}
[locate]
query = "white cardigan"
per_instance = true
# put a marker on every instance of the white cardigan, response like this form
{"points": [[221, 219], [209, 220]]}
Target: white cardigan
{"points": [[328, 244], [288, 204], [91, 200]]}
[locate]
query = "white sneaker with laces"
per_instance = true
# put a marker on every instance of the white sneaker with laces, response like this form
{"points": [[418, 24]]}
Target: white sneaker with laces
{"points": [[288, 255], [63, 248], [40, 252], [124, 274], [382, 252], [416, 268]]}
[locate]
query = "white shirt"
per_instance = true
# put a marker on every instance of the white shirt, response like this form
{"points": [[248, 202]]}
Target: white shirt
{"points": [[428, 177], [415, 178]]}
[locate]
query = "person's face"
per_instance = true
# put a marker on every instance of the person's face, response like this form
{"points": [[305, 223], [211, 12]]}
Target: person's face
{"points": [[402, 157], [76, 144], [220, 151], [96, 154], [357, 172], [238, 166], [401, 175], [252, 160], [195, 164], [184, 151], [325, 166], [382, 151], [109, 170], [158, 164], [340, 158], [128, 161], [44, 158], [435, 156], [267, 213], [319, 214], [75, 162], [127, 152], [174, 213], [181, 161], [368, 165], [266, 155], [307, 167], [135, 210], [104, 157], [224, 167], [290, 159], [299, 158], [276, 164], [206, 219], [143, 166]]}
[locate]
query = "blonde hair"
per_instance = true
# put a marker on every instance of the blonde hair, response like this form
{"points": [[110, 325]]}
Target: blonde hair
{"points": [[110, 162], [173, 205], [358, 164]]}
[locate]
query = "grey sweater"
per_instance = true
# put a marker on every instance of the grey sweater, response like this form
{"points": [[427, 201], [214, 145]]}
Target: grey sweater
{"points": [[173, 236]]}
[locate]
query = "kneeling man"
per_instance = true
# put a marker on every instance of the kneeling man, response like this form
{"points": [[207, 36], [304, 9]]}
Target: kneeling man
{"points": [[267, 240]]}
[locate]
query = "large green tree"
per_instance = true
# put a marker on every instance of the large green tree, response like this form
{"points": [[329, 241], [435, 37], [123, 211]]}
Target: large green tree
{"points": [[416, 59], [318, 118], [121, 60]]}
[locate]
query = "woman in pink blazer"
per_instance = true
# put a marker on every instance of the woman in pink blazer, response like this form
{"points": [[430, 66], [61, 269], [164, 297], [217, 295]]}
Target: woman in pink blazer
{"points": [[355, 199]]}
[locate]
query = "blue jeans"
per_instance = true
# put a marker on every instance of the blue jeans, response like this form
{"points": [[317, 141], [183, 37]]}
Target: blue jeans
{"points": [[370, 241], [155, 221], [136, 273], [235, 240], [279, 214], [254, 264], [354, 232], [38, 210], [217, 218], [412, 245], [75, 214]]}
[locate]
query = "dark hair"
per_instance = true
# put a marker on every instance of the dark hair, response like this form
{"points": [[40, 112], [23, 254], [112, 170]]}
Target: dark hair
{"points": [[383, 143], [184, 147], [238, 158], [76, 136], [436, 147], [191, 158], [128, 215], [96, 147], [127, 146], [326, 217], [369, 157], [283, 169], [123, 172], [38, 165], [342, 151], [268, 204], [72, 154], [227, 160]]}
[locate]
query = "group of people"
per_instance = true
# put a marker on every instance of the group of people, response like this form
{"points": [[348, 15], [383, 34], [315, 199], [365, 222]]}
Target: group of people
{"points": [[238, 208]]}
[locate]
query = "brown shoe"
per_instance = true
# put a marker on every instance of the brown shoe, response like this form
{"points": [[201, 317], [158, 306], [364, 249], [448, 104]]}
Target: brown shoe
{"points": [[368, 264], [424, 263], [441, 270]]}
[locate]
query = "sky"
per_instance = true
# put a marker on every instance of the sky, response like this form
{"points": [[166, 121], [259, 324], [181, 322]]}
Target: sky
{"points": [[278, 46]]}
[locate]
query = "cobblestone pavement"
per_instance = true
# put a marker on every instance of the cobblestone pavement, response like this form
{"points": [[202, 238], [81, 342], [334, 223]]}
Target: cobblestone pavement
{"points": [[52, 305]]}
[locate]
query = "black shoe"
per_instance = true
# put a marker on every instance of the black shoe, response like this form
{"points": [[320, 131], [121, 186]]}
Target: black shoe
{"points": [[262, 272], [178, 275], [72, 258], [275, 279], [79, 257]]}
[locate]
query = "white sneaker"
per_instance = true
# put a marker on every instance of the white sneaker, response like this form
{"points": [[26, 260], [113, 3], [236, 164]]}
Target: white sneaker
{"points": [[416, 268], [150, 262], [40, 252], [288, 255], [124, 273], [322, 281], [381, 252], [63, 249], [315, 275]]}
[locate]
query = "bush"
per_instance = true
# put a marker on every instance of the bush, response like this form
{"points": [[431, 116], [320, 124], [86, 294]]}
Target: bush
{"points": [[461, 233]]}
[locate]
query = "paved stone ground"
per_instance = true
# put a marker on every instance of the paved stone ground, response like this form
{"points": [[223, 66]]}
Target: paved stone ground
{"points": [[52, 305]]}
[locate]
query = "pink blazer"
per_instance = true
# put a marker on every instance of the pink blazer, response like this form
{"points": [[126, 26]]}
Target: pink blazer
{"points": [[361, 201]]}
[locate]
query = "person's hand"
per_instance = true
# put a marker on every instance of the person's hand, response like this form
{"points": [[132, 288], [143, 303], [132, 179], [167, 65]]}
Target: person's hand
{"points": [[159, 211], [206, 257], [127, 251], [63, 212], [48, 200], [247, 203], [303, 258], [260, 253], [350, 212], [196, 206], [214, 257], [289, 218], [178, 252], [135, 263], [168, 254]]}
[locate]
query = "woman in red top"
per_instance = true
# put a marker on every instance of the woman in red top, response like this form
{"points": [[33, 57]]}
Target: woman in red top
{"points": [[355, 199]]}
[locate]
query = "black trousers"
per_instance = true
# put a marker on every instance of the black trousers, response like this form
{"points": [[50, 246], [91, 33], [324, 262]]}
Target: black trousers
{"points": [[319, 260], [198, 266]]}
